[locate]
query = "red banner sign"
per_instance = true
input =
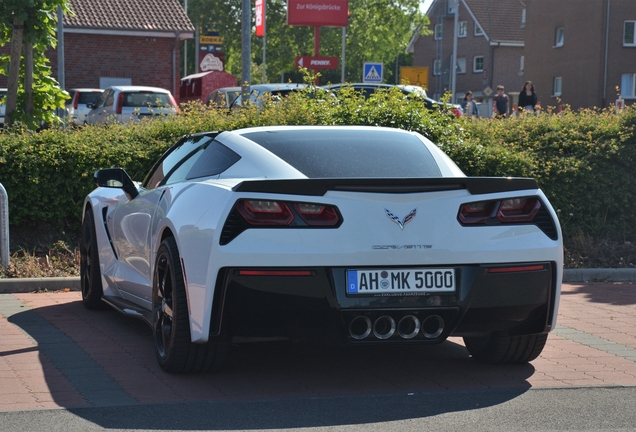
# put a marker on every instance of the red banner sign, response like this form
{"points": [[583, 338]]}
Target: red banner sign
{"points": [[318, 13], [260, 17], [317, 62]]}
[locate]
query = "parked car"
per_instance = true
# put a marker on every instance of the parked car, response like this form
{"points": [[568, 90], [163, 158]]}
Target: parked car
{"points": [[367, 89], [223, 97], [361, 235], [3, 105], [131, 103], [77, 105], [259, 93]]}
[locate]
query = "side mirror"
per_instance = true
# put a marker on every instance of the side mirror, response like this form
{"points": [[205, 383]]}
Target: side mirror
{"points": [[116, 178]]}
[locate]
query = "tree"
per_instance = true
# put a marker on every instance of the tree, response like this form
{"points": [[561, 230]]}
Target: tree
{"points": [[378, 31], [30, 26]]}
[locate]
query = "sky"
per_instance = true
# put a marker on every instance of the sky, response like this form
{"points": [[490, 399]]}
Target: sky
{"points": [[425, 4]]}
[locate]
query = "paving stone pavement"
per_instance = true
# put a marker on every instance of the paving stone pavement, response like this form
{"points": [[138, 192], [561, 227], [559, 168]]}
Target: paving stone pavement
{"points": [[55, 353]]}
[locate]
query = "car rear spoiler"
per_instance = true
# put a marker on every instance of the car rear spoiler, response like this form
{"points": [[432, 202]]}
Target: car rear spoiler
{"points": [[318, 187]]}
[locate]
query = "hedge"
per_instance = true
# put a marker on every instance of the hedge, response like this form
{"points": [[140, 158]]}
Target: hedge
{"points": [[582, 160]]}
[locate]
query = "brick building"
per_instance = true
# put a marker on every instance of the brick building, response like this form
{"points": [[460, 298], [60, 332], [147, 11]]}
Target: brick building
{"points": [[110, 42]]}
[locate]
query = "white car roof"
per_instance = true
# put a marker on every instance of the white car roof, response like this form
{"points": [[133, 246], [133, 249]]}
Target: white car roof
{"points": [[138, 88]]}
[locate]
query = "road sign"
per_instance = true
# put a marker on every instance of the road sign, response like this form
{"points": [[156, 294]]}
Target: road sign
{"points": [[310, 62], [372, 73], [414, 76]]}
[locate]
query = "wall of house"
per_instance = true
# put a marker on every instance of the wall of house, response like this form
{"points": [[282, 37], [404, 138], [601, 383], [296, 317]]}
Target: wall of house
{"points": [[87, 57], [621, 60], [579, 62]]}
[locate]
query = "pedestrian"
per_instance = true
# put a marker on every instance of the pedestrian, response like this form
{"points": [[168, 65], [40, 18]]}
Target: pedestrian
{"points": [[469, 106], [528, 99], [500, 103]]}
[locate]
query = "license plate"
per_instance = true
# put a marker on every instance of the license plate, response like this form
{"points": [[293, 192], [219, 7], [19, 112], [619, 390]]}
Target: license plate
{"points": [[395, 282]]}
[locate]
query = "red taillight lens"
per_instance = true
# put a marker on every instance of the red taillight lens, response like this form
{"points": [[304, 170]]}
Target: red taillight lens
{"points": [[513, 210], [75, 100], [261, 212], [457, 112], [120, 102], [518, 210], [173, 102], [476, 213], [317, 214]]}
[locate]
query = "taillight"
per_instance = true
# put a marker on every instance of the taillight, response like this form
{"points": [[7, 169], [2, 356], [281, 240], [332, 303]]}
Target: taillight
{"points": [[259, 212], [317, 214], [513, 210], [75, 100], [457, 112], [174, 103], [120, 102]]}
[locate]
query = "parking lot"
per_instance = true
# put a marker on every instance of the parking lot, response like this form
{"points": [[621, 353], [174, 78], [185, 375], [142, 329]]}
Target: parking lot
{"points": [[55, 353]]}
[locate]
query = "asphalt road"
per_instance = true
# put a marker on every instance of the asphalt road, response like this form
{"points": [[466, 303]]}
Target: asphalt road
{"points": [[573, 409]]}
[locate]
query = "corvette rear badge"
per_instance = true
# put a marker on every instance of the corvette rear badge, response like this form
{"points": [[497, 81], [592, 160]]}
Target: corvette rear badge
{"points": [[404, 221]]}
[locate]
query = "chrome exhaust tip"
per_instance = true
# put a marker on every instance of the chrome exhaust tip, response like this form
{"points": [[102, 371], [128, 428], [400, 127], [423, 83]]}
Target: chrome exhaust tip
{"points": [[408, 327], [360, 327], [432, 326], [384, 327]]}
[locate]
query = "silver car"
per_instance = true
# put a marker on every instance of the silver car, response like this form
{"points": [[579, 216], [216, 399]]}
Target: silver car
{"points": [[131, 103], [77, 105]]}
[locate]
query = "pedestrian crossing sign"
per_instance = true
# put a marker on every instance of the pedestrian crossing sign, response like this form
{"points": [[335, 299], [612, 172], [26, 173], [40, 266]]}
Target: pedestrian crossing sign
{"points": [[372, 73]]}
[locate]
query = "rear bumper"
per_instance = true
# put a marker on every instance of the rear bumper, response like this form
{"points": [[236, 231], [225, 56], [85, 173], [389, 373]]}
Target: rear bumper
{"points": [[316, 307]]}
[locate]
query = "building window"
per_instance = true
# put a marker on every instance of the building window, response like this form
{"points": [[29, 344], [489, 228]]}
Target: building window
{"points": [[461, 65], [437, 67], [523, 18], [478, 64], [478, 30], [522, 62], [452, 4], [462, 29], [628, 85], [628, 33], [558, 40], [557, 87], [439, 31]]}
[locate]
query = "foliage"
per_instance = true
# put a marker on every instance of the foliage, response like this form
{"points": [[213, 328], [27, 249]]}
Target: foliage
{"points": [[378, 31], [40, 25]]}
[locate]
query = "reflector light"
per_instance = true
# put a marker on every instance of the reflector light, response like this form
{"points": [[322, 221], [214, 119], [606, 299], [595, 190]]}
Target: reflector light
{"points": [[120, 102], [262, 212], [316, 214], [275, 272], [516, 269]]}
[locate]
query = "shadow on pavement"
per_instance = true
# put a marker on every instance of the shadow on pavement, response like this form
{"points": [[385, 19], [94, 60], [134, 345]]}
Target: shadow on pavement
{"points": [[109, 359], [616, 293]]}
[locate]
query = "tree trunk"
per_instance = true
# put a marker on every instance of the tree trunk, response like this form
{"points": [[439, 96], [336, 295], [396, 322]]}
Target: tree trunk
{"points": [[14, 69], [28, 77]]}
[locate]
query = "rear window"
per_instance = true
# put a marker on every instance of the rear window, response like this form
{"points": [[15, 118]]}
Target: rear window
{"points": [[350, 153], [146, 99], [88, 97]]}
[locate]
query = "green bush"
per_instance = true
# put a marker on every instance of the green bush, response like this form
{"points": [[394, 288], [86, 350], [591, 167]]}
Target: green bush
{"points": [[582, 160]]}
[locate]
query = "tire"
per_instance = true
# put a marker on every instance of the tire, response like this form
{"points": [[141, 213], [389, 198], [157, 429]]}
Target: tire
{"points": [[171, 324], [90, 276], [498, 349]]}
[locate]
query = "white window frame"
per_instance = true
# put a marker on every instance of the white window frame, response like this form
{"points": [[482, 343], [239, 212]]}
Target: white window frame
{"points": [[475, 69], [462, 29], [631, 43], [559, 36], [461, 65], [437, 67], [478, 30], [628, 86], [523, 18], [522, 63], [439, 31], [557, 86]]}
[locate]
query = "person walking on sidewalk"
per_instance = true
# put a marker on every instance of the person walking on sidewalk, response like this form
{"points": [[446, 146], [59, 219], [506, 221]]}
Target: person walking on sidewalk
{"points": [[500, 103], [469, 106]]}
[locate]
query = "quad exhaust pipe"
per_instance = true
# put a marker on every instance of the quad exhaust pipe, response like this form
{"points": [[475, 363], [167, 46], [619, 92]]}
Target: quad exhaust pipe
{"points": [[408, 327]]}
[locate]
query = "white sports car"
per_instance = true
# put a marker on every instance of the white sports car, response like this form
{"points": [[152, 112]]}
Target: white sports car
{"points": [[363, 235]]}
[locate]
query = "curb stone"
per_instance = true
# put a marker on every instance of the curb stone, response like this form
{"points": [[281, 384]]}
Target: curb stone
{"points": [[25, 285]]}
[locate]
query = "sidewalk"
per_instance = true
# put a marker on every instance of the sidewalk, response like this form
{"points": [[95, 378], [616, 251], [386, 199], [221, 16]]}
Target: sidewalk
{"points": [[56, 353]]}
